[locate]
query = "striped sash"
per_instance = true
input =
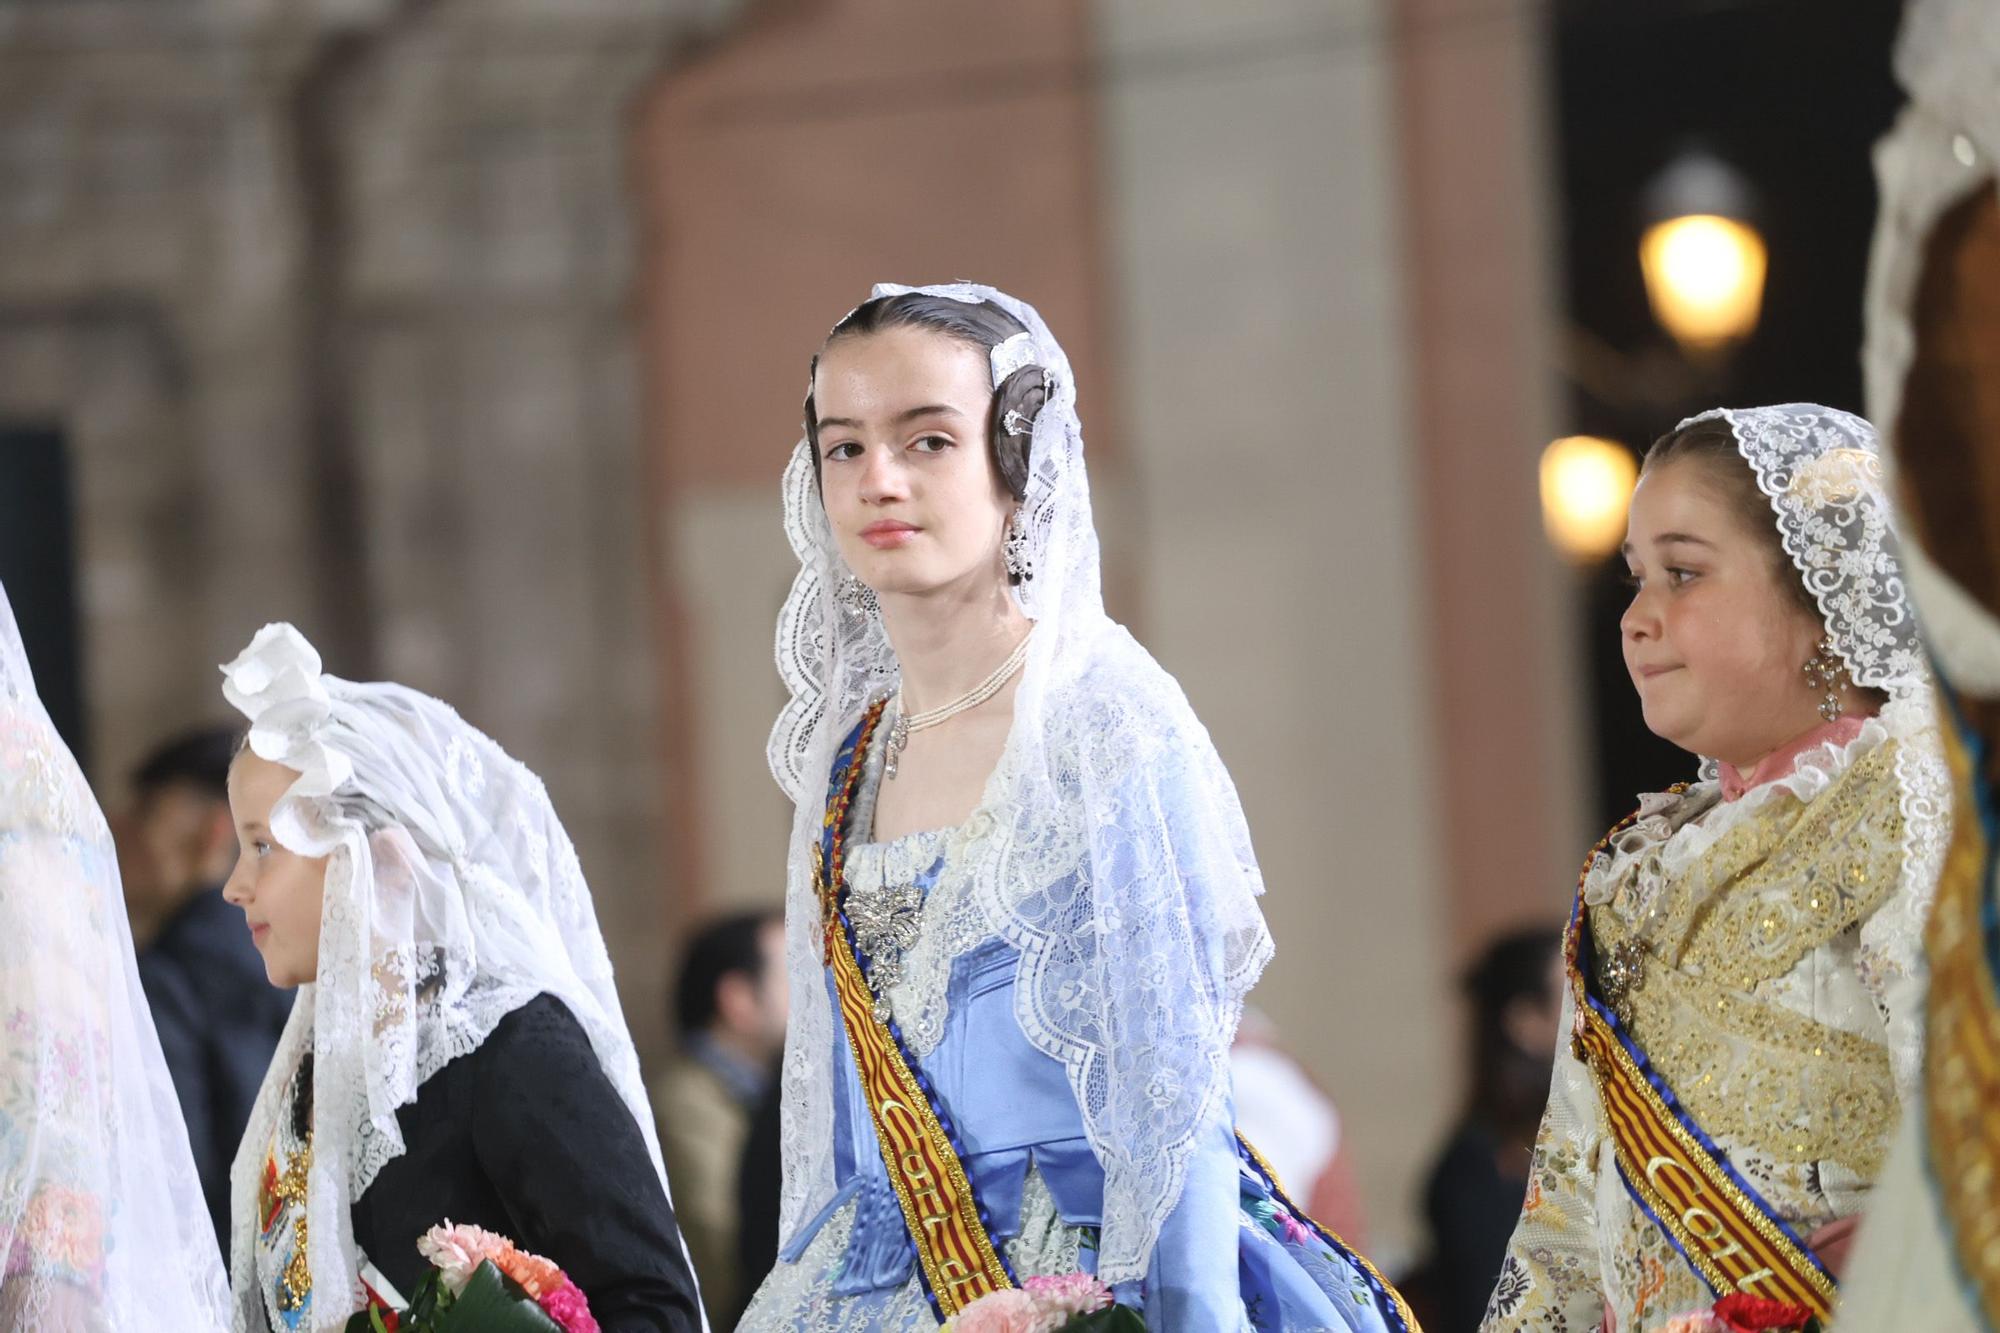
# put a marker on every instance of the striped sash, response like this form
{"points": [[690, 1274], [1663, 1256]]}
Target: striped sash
{"points": [[1682, 1181], [956, 1256]]}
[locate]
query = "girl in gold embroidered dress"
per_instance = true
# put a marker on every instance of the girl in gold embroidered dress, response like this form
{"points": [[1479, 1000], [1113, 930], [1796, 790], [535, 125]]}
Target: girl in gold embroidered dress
{"points": [[1757, 931]]}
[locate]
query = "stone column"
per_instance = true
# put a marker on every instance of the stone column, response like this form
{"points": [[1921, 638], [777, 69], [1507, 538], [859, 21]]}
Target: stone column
{"points": [[483, 224], [149, 251]]}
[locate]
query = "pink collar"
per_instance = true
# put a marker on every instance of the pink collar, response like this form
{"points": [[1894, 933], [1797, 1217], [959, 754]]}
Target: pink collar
{"points": [[1785, 758]]}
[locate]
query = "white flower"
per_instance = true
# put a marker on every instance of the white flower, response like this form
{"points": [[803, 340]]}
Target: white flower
{"points": [[276, 683], [457, 1251]]}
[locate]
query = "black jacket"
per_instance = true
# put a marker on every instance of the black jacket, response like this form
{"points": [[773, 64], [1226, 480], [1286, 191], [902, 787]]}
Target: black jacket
{"points": [[1473, 1200], [526, 1136]]}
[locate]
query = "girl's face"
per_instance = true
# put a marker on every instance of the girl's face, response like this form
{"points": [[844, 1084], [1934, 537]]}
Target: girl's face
{"points": [[1715, 643], [279, 891], [906, 470]]}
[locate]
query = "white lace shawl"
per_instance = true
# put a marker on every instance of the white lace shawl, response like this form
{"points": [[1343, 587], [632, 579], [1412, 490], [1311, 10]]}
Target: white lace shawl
{"points": [[102, 1223], [1110, 850], [453, 897]]}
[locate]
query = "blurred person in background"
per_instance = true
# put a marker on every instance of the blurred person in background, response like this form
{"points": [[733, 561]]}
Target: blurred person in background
{"points": [[730, 1005], [760, 1188], [174, 833], [217, 1013], [1473, 1193]]}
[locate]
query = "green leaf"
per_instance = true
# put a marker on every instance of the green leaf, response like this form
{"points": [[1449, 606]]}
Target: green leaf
{"points": [[365, 1321], [1111, 1319], [492, 1303]]}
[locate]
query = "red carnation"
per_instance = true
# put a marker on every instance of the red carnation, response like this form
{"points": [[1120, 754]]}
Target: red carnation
{"points": [[1755, 1314]]}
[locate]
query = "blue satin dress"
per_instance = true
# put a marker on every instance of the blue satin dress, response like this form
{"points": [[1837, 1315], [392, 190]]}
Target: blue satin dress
{"points": [[1228, 1257]]}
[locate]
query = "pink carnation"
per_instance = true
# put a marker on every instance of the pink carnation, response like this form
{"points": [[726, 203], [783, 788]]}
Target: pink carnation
{"points": [[566, 1305], [1007, 1311], [1064, 1298], [457, 1251]]}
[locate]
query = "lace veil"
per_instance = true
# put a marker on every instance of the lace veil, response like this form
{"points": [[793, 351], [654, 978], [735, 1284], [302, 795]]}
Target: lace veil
{"points": [[453, 897], [1110, 850], [102, 1223], [1822, 471]]}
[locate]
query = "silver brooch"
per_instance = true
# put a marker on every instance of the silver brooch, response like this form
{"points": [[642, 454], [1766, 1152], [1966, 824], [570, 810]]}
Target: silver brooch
{"points": [[885, 923], [1623, 972]]}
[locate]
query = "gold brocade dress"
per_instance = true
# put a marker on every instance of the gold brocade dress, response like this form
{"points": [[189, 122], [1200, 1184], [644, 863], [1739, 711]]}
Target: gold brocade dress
{"points": [[1779, 998]]}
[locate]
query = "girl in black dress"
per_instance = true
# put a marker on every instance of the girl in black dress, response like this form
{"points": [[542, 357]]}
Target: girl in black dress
{"points": [[457, 1050]]}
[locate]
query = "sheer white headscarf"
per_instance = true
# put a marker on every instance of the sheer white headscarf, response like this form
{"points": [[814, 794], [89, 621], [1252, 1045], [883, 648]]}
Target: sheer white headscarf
{"points": [[1110, 849], [1822, 471], [102, 1223], [453, 897]]}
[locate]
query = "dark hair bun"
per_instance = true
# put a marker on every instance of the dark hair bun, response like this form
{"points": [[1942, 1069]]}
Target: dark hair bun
{"points": [[1018, 401]]}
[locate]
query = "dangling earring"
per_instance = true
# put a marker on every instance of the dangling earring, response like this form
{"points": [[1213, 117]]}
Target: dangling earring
{"points": [[1825, 671], [1014, 552], [857, 596]]}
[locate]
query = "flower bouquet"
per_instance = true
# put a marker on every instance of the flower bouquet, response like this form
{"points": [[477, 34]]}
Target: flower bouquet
{"points": [[1741, 1313], [1073, 1303], [480, 1283]]}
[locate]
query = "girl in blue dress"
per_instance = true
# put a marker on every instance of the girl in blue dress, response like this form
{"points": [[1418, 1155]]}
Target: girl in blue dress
{"points": [[1021, 895]]}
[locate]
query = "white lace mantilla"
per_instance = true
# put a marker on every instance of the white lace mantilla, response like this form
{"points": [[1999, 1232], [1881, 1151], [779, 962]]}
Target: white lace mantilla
{"points": [[1822, 471]]}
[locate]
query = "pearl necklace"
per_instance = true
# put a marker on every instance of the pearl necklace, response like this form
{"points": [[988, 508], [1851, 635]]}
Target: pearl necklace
{"points": [[907, 724]]}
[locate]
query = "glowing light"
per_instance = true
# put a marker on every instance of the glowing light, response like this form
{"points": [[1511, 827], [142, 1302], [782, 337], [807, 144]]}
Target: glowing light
{"points": [[1704, 278], [1586, 488]]}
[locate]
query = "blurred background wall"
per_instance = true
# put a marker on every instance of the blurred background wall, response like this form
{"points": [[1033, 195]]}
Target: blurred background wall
{"points": [[471, 336]]}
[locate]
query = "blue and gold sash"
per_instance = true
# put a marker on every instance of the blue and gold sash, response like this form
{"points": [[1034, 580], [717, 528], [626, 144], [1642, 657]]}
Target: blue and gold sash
{"points": [[1962, 1057], [1683, 1182], [956, 1257]]}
